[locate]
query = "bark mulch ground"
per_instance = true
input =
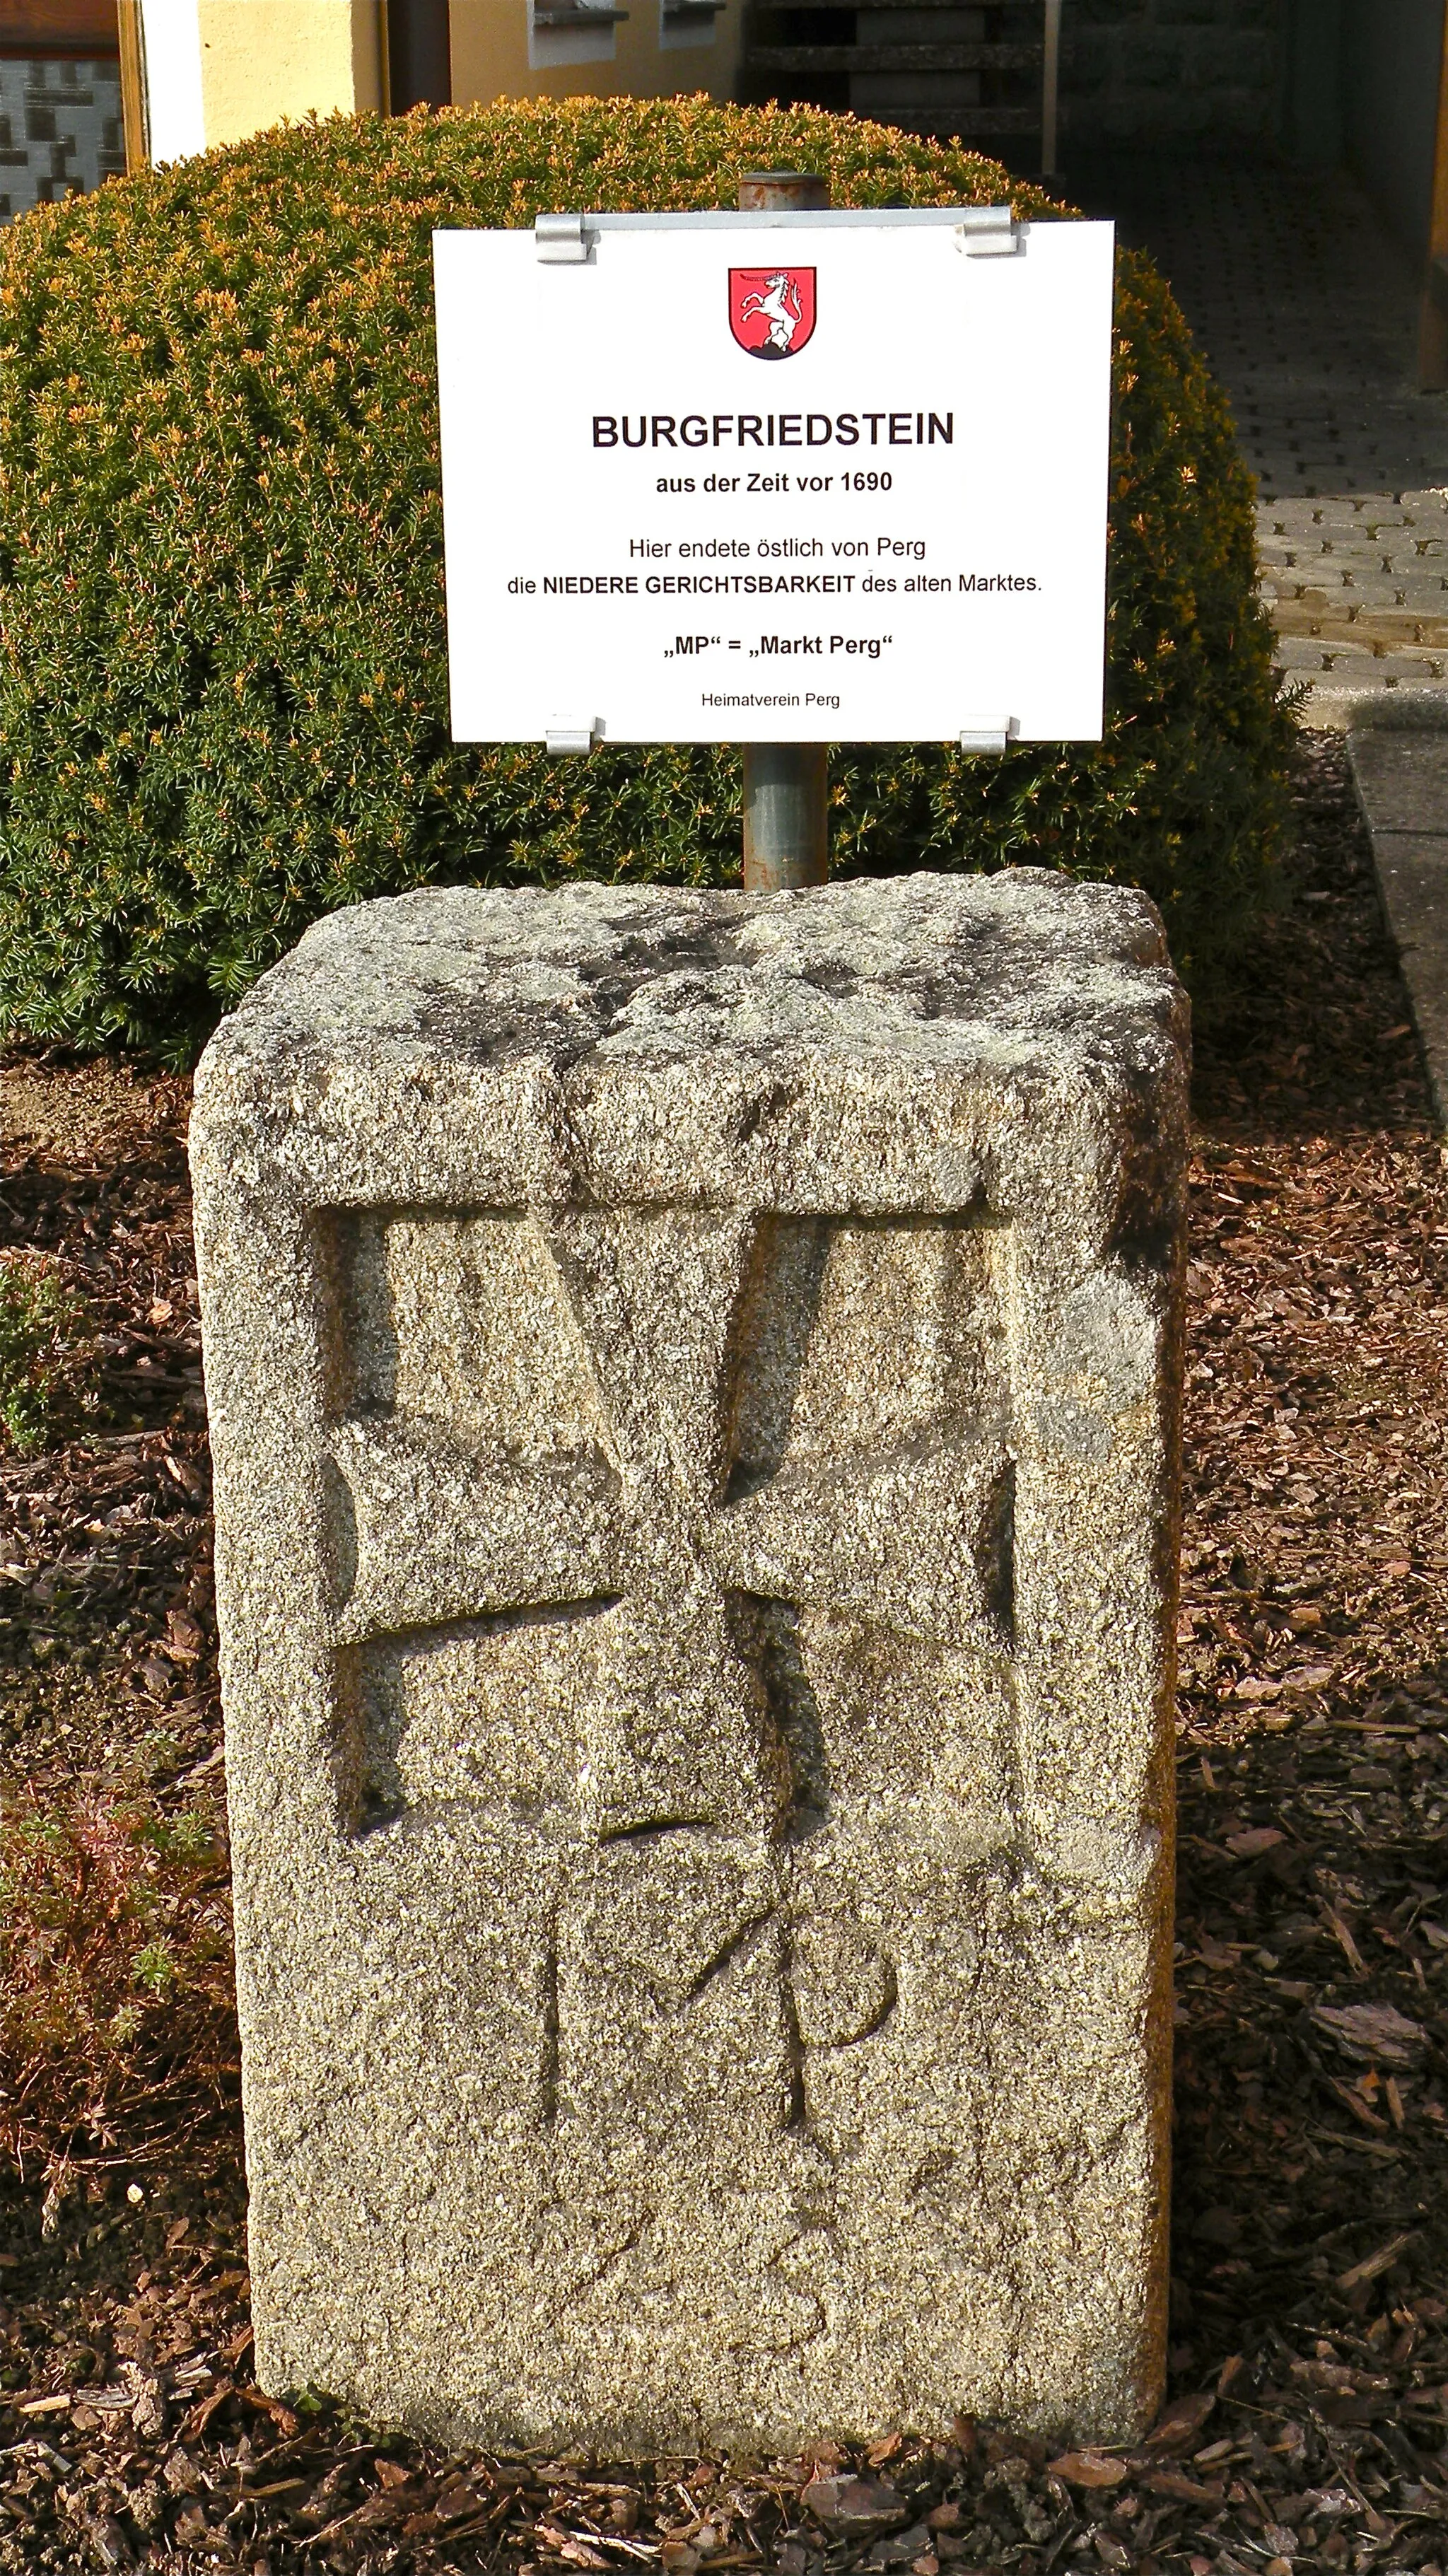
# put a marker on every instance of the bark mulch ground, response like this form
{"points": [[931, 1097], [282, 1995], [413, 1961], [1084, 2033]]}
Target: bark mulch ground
{"points": [[1309, 2412]]}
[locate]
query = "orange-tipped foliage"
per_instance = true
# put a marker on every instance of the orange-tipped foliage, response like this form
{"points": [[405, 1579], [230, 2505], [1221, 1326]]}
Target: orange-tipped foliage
{"points": [[223, 671]]}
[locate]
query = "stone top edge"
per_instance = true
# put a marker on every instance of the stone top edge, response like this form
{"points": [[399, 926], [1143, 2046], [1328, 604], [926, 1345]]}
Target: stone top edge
{"points": [[1026, 965]]}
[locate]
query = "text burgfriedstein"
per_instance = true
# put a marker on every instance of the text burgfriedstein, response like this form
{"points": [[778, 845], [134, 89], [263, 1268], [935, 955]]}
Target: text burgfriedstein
{"points": [[774, 429]]}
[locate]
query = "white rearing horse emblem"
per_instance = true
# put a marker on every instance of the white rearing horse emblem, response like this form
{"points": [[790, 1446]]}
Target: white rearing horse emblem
{"points": [[780, 302]]}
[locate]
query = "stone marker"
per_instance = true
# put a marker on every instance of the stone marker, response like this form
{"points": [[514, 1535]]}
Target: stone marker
{"points": [[694, 1388]]}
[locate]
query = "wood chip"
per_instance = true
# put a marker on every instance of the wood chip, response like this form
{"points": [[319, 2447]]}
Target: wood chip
{"points": [[1373, 2265]]}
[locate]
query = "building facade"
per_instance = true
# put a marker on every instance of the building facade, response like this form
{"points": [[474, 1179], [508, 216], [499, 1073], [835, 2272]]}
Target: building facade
{"points": [[88, 87], [215, 70]]}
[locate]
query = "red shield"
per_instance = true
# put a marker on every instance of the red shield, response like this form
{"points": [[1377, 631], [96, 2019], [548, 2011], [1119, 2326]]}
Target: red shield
{"points": [[772, 310]]}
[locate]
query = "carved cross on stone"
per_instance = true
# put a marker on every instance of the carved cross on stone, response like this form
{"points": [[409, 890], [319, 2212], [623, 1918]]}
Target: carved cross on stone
{"points": [[605, 1453], [693, 1384]]}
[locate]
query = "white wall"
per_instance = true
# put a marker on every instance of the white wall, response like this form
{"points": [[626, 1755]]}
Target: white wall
{"points": [[172, 33]]}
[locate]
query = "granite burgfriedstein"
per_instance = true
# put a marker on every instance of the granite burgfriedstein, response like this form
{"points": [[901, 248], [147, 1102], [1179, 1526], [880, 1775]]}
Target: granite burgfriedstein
{"points": [[694, 1388]]}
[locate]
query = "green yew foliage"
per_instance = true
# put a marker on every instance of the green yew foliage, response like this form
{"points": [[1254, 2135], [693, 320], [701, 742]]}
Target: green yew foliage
{"points": [[223, 687], [47, 1352]]}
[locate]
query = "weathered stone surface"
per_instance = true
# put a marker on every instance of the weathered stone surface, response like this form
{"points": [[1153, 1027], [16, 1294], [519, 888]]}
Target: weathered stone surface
{"points": [[693, 1382]]}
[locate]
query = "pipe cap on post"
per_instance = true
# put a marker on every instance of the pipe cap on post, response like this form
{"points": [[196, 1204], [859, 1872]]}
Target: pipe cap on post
{"points": [[779, 192]]}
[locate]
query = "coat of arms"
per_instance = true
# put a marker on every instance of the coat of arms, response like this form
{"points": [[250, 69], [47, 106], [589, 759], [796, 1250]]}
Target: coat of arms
{"points": [[772, 310]]}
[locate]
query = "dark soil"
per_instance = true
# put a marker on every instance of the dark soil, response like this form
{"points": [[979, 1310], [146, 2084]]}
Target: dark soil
{"points": [[1310, 2292]]}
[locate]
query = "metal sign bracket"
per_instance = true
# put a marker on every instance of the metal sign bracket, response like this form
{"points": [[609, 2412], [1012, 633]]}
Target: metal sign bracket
{"points": [[981, 232], [988, 232], [564, 241]]}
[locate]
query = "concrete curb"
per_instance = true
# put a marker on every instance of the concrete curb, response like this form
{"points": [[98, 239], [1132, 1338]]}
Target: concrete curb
{"points": [[1348, 705], [1400, 770]]}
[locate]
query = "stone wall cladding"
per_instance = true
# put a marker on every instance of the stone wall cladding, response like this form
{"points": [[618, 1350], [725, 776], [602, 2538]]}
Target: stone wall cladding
{"points": [[1145, 72], [694, 1390]]}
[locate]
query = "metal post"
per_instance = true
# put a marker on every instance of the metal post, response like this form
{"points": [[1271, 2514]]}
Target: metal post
{"points": [[787, 192], [1050, 88], [786, 784], [786, 815]]}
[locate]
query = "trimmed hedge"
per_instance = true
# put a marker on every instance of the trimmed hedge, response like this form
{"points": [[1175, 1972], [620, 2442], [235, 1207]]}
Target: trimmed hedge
{"points": [[223, 703]]}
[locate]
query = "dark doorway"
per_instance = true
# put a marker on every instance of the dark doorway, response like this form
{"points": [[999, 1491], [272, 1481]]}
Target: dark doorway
{"points": [[419, 56]]}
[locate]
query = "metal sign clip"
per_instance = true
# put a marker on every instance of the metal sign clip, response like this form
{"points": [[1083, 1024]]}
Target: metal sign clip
{"points": [[989, 733], [563, 241], [987, 232], [571, 733]]}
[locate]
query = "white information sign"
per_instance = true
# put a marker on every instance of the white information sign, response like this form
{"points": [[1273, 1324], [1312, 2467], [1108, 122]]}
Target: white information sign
{"points": [[782, 478]]}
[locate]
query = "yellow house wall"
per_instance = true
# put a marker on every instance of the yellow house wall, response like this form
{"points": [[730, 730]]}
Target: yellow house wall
{"points": [[265, 59], [490, 57]]}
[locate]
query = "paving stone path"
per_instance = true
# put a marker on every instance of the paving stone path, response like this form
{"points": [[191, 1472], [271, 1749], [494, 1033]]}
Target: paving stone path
{"points": [[1358, 586], [1308, 313]]}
